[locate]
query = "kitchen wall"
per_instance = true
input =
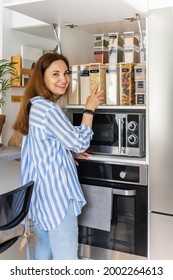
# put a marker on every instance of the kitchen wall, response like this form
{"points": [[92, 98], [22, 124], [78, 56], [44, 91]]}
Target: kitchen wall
{"points": [[13, 39]]}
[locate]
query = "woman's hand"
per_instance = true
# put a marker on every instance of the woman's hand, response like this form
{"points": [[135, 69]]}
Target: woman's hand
{"points": [[83, 155], [95, 99]]}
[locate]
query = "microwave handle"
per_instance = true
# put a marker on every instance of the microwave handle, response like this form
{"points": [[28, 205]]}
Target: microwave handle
{"points": [[124, 192], [119, 136]]}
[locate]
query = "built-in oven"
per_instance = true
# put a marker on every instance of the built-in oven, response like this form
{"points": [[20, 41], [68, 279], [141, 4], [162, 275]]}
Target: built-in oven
{"points": [[119, 133], [114, 220]]}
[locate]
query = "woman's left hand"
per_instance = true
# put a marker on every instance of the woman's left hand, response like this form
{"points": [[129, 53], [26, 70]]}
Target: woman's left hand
{"points": [[83, 155]]}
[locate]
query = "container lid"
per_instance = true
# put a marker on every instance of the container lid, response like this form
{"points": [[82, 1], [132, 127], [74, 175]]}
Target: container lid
{"points": [[130, 32], [131, 47], [139, 65], [113, 33], [100, 49], [115, 47]]}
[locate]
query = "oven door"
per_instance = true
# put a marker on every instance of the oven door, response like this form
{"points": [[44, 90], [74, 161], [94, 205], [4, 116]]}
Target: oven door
{"points": [[128, 224]]}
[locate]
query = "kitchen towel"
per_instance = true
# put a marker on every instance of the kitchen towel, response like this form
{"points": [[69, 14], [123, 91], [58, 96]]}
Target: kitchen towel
{"points": [[98, 210]]}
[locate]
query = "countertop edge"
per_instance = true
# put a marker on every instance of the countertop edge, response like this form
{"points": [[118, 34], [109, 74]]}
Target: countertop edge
{"points": [[9, 153]]}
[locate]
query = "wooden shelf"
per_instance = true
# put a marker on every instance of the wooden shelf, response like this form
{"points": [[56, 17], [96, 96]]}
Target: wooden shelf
{"points": [[20, 71]]}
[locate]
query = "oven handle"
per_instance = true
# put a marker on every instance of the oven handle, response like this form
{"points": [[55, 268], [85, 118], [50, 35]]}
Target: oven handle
{"points": [[124, 192]]}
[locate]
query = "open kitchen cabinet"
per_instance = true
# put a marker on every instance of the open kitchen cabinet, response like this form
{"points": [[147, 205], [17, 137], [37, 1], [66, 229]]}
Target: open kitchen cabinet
{"points": [[77, 22]]}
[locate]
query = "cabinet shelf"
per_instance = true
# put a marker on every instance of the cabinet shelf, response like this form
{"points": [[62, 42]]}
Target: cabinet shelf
{"points": [[108, 107]]}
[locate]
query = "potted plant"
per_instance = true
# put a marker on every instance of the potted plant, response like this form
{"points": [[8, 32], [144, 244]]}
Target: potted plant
{"points": [[7, 74]]}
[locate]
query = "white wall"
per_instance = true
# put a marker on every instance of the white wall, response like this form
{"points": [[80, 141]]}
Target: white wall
{"points": [[13, 39]]}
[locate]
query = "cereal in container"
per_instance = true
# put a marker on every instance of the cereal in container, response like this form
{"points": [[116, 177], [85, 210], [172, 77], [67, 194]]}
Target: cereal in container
{"points": [[98, 77]]}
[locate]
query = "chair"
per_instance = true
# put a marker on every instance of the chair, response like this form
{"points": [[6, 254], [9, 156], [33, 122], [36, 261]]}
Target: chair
{"points": [[14, 206]]}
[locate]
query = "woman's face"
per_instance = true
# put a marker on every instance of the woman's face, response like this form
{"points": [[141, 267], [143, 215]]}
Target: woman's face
{"points": [[57, 77]]}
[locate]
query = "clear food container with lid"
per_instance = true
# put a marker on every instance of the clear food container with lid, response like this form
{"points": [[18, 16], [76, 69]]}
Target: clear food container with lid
{"points": [[98, 77], [74, 89]]}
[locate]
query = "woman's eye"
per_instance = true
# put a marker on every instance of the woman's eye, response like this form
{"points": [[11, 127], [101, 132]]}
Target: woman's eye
{"points": [[56, 74], [67, 73]]}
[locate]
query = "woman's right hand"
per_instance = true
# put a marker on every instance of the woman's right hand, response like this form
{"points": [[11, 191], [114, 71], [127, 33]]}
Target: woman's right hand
{"points": [[95, 99]]}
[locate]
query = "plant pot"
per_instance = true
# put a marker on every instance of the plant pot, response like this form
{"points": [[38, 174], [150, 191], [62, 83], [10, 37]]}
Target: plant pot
{"points": [[2, 121]]}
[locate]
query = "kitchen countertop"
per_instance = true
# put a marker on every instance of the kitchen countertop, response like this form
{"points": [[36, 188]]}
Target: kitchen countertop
{"points": [[9, 153]]}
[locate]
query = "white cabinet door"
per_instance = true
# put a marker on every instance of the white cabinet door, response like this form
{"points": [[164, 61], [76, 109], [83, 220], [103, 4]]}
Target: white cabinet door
{"points": [[161, 233]]}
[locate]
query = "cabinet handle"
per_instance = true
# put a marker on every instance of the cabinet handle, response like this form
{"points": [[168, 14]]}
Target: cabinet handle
{"points": [[124, 192]]}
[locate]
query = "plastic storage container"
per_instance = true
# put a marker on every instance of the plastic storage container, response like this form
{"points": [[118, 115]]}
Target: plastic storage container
{"points": [[115, 39], [131, 54], [74, 91], [142, 55], [140, 98], [127, 84], [140, 86], [101, 55], [131, 38], [98, 76], [100, 40], [140, 71], [84, 83], [112, 84], [116, 54]]}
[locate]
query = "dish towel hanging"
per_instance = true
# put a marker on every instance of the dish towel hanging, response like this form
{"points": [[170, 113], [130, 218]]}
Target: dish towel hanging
{"points": [[98, 210]]}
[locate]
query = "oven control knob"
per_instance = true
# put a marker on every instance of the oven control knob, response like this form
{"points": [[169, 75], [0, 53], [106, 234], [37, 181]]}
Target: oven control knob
{"points": [[132, 125], [133, 139], [123, 174]]}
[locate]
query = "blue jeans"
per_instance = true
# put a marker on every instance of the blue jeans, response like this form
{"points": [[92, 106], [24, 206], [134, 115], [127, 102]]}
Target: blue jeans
{"points": [[60, 243]]}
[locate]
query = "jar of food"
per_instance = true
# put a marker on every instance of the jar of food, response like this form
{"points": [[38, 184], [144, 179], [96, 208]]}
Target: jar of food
{"points": [[140, 86], [116, 55], [131, 38], [140, 71], [115, 39], [127, 84], [100, 40], [98, 77], [84, 83], [101, 55], [140, 98], [131, 54], [74, 89], [112, 84]]}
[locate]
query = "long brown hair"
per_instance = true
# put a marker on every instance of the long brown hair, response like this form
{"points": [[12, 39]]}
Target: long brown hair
{"points": [[36, 87]]}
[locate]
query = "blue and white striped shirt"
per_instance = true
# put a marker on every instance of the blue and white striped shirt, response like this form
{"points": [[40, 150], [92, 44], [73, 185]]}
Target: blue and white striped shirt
{"points": [[47, 159]]}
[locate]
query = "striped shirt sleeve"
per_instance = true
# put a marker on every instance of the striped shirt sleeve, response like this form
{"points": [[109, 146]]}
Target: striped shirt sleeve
{"points": [[58, 127]]}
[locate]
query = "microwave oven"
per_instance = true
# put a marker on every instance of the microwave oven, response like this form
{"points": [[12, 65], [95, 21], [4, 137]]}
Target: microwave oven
{"points": [[121, 134]]}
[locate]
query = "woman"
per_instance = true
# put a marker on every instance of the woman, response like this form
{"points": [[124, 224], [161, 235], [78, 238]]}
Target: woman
{"points": [[48, 147]]}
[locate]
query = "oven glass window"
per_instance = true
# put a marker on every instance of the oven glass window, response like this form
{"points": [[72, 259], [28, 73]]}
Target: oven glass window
{"points": [[128, 232]]}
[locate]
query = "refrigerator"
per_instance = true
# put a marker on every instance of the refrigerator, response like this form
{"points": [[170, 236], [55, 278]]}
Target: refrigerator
{"points": [[160, 122]]}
